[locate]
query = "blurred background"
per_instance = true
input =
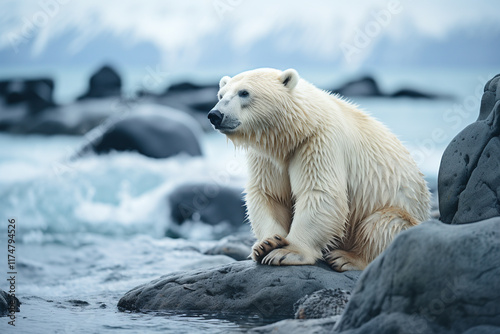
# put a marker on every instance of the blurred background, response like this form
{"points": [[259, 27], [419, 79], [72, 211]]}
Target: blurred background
{"points": [[111, 168]]}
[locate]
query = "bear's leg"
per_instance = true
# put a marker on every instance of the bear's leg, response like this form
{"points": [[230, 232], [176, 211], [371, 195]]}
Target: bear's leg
{"points": [[369, 238]]}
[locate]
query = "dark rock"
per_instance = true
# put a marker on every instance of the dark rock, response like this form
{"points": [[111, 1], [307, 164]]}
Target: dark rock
{"points": [[433, 278], [237, 247], [105, 82], [36, 94], [189, 97], [6, 301], [72, 119], [187, 87], [266, 292], [4, 84], [208, 202], [153, 134], [194, 99], [415, 94], [309, 326], [322, 304], [365, 86], [469, 182], [78, 302]]}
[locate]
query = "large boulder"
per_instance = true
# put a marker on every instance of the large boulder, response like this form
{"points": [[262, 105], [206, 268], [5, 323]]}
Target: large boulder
{"points": [[154, 131], [434, 278], [244, 287], [217, 210], [210, 203], [105, 82], [469, 182]]}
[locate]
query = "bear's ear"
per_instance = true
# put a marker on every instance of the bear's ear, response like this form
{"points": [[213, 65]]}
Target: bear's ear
{"points": [[290, 78], [224, 81]]}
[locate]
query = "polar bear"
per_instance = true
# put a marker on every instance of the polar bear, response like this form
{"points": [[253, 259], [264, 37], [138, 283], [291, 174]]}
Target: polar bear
{"points": [[326, 180]]}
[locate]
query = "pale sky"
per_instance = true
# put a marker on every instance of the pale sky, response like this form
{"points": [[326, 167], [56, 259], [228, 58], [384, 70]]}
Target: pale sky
{"points": [[180, 29]]}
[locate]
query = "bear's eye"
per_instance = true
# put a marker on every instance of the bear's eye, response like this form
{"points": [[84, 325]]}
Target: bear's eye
{"points": [[243, 93]]}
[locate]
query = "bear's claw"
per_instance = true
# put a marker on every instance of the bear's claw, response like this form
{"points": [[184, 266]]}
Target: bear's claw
{"points": [[286, 257], [262, 249]]}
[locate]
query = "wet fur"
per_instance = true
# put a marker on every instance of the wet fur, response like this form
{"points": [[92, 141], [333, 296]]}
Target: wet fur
{"points": [[326, 178]]}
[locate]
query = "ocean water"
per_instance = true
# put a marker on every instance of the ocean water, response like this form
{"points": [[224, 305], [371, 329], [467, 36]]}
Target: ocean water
{"points": [[89, 230]]}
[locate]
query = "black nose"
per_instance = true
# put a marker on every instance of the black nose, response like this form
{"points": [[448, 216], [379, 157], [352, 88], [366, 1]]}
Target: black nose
{"points": [[215, 117]]}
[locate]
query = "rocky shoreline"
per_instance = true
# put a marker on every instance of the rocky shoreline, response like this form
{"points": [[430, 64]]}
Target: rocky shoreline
{"points": [[242, 287], [438, 277]]}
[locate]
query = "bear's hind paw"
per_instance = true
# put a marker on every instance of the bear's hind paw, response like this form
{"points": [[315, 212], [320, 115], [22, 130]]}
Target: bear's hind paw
{"points": [[261, 249], [340, 260]]}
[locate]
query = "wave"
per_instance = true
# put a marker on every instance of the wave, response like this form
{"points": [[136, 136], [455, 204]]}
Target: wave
{"points": [[122, 193]]}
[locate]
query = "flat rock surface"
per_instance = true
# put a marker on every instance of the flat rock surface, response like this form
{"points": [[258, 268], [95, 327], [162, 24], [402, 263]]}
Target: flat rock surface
{"points": [[240, 287], [434, 278]]}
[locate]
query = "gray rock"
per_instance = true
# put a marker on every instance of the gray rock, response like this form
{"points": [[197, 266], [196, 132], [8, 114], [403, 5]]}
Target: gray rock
{"points": [[309, 326], [6, 301], [483, 330], [365, 86], [434, 278], [105, 82], [266, 292], [209, 202], [237, 247], [322, 304], [35, 94], [469, 182], [194, 99], [74, 119], [154, 131]]}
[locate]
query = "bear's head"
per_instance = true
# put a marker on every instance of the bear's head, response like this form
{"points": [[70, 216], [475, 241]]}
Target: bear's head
{"points": [[254, 104]]}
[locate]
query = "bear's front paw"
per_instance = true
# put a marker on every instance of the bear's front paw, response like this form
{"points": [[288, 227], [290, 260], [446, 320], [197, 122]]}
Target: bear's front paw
{"points": [[261, 249], [287, 257]]}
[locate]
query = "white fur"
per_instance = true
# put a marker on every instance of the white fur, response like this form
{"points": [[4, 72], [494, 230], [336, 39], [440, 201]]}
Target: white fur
{"points": [[323, 174]]}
